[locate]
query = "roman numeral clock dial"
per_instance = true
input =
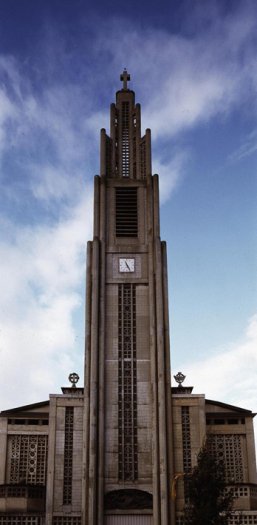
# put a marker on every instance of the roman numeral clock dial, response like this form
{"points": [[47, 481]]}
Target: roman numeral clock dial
{"points": [[126, 265]]}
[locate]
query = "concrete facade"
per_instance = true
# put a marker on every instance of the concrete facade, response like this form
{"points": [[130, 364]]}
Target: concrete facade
{"points": [[194, 420], [116, 451]]}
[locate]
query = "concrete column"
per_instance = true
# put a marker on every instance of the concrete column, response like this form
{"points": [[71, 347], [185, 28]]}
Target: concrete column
{"points": [[96, 206], [113, 138], [161, 387], [250, 446], [103, 153], [156, 211], [3, 448], [152, 328], [148, 153], [101, 388], [51, 461], [85, 470], [160, 360], [138, 140], [93, 426], [170, 438]]}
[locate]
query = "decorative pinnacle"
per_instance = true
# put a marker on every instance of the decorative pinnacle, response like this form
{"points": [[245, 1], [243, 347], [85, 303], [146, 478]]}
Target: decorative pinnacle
{"points": [[73, 379], [125, 77], [179, 378]]}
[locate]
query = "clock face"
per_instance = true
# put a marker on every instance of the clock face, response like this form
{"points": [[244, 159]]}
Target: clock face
{"points": [[126, 265]]}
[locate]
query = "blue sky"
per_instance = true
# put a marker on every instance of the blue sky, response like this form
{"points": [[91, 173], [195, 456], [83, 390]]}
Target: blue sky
{"points": [[194, 70]]}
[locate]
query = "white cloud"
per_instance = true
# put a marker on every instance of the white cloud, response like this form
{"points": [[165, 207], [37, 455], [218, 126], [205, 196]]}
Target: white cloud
{"points": [[7, 111], [45, 136], [228, 374], [196, 77], [249, 147], [171, 173], [183, 81], [42, 275]]}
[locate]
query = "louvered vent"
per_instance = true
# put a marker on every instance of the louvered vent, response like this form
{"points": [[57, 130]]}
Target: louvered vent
{"points": [[126, 212]]}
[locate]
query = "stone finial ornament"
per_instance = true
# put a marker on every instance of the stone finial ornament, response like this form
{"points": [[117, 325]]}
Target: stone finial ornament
{"points": [[73, 379], [179, 378]]}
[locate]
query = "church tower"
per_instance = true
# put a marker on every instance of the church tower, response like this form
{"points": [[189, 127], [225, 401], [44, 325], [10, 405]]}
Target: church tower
{"points": [[127, 419], [117, 451]]}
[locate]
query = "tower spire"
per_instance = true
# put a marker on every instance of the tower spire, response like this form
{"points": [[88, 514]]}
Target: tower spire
{"points": [[125, 77]]}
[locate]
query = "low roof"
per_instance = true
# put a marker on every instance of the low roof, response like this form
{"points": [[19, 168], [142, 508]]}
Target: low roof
{"points": [[230, 408], [35, 409]]}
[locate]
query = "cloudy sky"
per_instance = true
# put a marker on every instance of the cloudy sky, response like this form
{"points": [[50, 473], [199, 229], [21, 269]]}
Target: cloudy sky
{"points": [[194, 70]]}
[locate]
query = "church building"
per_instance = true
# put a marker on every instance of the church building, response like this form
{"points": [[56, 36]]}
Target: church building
{"points": [[116, 451]]}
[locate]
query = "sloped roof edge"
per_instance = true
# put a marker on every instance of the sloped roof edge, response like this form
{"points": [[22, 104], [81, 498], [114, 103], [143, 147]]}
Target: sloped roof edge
{"points": [[16, 410], [231, 407]]}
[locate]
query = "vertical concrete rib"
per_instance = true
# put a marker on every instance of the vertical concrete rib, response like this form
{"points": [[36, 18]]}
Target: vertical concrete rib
{"points": [[101, 389], [156, 210], [96, 206], [93, 436], [103, 153], [138, 139], [160, 361], [3, 448], [51, 462], [113, 137], [85, 480], [148, 153], [152, 329], [168, 381]]}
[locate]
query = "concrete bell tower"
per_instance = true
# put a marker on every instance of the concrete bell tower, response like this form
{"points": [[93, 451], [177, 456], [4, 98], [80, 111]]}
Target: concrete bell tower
{"points": [[127, 420]]}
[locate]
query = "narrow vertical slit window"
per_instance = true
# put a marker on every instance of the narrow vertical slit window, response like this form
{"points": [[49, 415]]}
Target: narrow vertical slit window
{"points": [[125, 139], [68, 452], [108, 159], [186, 441], [127, 383], [143, 158]]}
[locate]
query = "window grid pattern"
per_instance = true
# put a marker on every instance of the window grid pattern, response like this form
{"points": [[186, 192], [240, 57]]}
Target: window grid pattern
{"points": [[18, 491], [21, 520], [240, 491], [240, 518], [68, 452], [228, 448], [234, 519], [125, 139], [243, 519], [66, 520], [186, 440], [27, 459], [127, 383]]}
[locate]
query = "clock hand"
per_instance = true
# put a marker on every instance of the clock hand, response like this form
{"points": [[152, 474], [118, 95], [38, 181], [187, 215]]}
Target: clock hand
{"points": [[127, 265]]}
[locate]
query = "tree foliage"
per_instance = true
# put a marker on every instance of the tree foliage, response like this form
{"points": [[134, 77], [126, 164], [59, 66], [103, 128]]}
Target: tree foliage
{"points": [[208, 501]]}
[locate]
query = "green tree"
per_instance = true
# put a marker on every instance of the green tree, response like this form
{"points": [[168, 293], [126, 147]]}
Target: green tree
{"points": [[208, 501]]}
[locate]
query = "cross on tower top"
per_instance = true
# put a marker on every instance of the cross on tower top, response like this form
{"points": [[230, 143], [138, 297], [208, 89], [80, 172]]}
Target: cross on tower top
{"points": [[125, 77]]}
